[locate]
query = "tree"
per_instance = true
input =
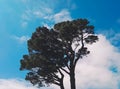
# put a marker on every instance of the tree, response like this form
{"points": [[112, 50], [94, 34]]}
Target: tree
{"points": [[44, 59], [51, 52]]}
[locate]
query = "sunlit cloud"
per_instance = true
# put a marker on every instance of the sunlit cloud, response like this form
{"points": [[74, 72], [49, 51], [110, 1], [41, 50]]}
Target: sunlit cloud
{"points": [[97, 70], [100, 69], [19, 84], [112, 36], [63, 15], [15, 84]]}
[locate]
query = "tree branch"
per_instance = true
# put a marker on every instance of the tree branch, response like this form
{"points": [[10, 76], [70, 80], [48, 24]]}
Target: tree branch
{"points": [[77, 45], [55, 75], [64, 70], [56, 79], [82, 43], [55, 82], [62, 75], [76, 60], [68, 66]]}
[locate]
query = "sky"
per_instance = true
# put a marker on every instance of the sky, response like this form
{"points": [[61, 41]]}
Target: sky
{"points": [[19, 19]]}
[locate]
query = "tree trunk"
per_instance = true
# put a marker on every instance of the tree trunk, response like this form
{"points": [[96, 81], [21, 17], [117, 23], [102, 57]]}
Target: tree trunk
{"points": [[72, 79], [62, 86]]}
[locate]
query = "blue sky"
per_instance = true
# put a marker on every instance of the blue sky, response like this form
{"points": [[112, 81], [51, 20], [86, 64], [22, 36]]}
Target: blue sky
{"points": [[19, 18]]}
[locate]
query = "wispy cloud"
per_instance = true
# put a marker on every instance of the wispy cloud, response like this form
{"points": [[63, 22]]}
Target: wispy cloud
{"points": [[40, 13], [21, 39], [112, 36], [15, 84], [37, 9], [63, 15], [44, 13], [115, 39]]}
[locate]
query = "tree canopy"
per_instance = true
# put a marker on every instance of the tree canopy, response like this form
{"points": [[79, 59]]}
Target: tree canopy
{"points": [[51, 52]]}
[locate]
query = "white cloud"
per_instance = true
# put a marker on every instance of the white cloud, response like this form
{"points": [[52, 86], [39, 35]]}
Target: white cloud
{"points": [[40, 13], [63, 15], [50, 20], [21, 39], [97, 70], [44, 12], [47, 14], [48, 10], [18, 84], [35, 10], [112, 35], [15, 84], [94, 71]]}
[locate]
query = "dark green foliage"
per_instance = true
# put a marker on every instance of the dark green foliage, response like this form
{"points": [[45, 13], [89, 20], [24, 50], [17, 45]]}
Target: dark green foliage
{"points": [[45, 57], [51, 52]]}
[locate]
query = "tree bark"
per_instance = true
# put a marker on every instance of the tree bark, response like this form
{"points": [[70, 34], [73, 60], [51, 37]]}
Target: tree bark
{"points": [[61, 80], [62, 86], [72, 79]]}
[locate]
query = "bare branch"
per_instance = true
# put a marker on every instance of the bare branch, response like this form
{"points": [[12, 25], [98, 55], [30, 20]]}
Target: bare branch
{"points": [[68, 67], [55, 82], [55, 76], [60, 72], [77, 45], [65, 70], [76, 60], [82, 43], [85, 36]]}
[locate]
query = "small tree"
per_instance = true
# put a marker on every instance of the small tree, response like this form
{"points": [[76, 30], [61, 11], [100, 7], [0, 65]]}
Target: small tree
{"points": [[51, 53]]}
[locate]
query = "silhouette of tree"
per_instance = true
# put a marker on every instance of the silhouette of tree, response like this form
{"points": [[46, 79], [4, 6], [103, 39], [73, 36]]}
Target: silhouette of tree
{"points": [[51, 52]]}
